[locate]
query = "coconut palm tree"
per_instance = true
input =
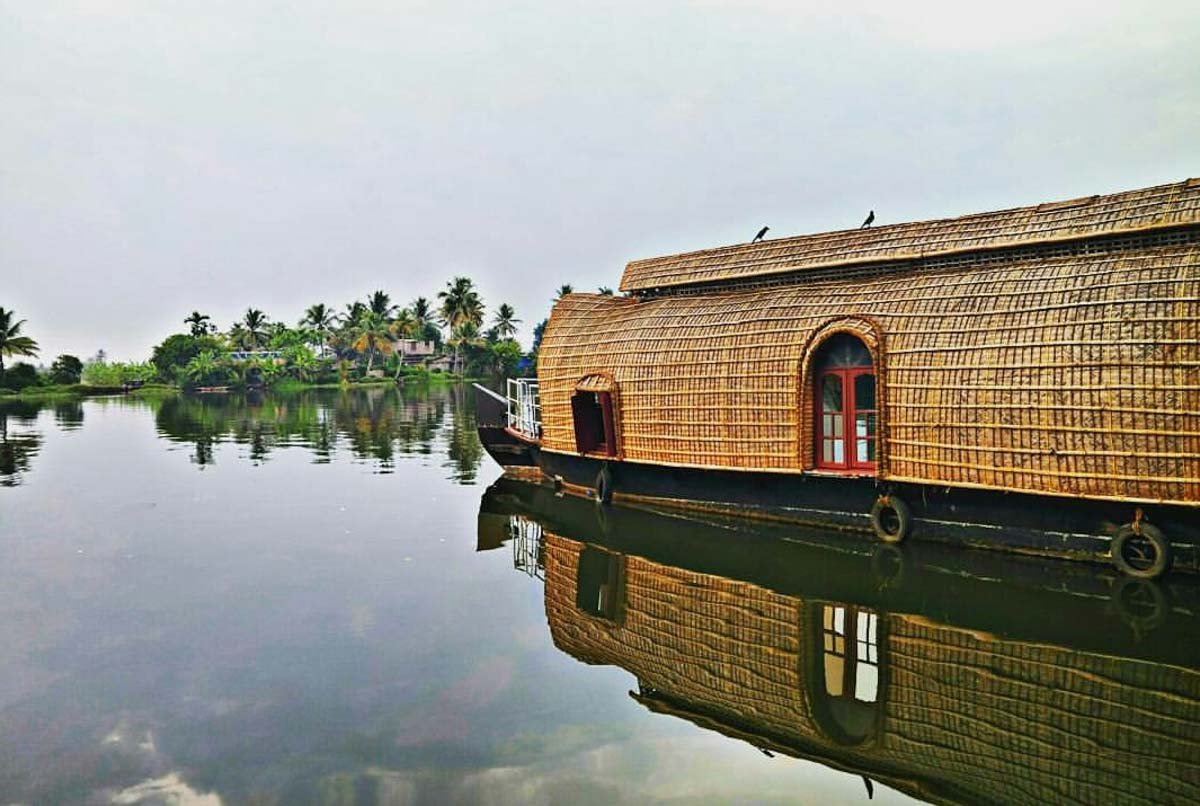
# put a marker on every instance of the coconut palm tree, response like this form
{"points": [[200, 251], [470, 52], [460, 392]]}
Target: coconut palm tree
{"points": [[426, 326], [372, 334], [200, 323], [12, 343], [353, 311], [203, 367], [380, 304], [605, 291], [404, 325], [255, 322], [506, 321], [319, 318], [239, 337], [461, 305], [563, 290]]}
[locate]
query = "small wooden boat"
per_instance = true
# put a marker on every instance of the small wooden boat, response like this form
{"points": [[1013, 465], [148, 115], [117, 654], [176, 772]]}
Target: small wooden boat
{"points": [[1036, 369]]}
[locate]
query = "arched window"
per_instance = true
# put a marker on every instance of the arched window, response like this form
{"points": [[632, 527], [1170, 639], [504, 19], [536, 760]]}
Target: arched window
{"points": [[847, 417], [846, 683]]}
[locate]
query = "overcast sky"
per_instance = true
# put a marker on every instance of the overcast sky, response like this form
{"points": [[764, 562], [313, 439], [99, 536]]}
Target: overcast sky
{"points": [[157, 158]]}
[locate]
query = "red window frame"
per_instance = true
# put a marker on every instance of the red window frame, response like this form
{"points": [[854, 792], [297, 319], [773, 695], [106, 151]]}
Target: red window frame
{"points": [[849, 414]]}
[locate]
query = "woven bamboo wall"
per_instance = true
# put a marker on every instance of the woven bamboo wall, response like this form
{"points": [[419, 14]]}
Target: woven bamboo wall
{"points": [[1002, 720], [1075, 375], [1128, 212], [680, 637]]}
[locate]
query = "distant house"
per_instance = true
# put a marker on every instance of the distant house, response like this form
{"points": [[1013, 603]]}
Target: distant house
{"points": [[414, 351], [257, 355]]}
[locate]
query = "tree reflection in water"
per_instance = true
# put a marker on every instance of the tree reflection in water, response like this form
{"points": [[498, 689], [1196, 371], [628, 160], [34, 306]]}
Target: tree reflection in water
{"points": [[19, 442], [373, 425]]}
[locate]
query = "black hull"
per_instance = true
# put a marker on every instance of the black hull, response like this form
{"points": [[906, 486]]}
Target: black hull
{"points": [[507, 450], [1078, 529]]}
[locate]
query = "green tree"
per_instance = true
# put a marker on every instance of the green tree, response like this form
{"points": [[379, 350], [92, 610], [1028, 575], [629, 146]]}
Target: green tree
{"points": [[605, 291], [426, 328], [175, 351], [199, 323], [563, 290], [12, 343], [206, 368], [19, 376], [380, 304], [354, 311], [461, 306], [239, 337], [302, 363], [505, 356], [470, 348], [66, 369], [255, 323], [506, 321], [372, 335], [538, 331], [404, 326], [319, 319]]}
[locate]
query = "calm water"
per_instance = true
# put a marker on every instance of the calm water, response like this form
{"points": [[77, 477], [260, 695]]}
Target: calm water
{"points": [[336, 598]]}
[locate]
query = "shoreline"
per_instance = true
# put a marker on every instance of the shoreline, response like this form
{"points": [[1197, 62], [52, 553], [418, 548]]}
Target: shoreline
{"points": [[81, 391]]}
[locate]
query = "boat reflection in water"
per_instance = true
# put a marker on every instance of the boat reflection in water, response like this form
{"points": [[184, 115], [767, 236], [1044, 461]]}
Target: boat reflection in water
{"points": [[950, 676]]}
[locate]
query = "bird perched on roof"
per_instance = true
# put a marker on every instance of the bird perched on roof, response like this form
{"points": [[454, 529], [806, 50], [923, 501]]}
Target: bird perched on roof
{"points": [[760, 235], [870, 218]]}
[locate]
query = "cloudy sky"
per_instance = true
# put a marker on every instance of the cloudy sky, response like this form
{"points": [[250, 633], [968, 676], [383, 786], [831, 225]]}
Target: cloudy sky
{"points": [[157, 158]]}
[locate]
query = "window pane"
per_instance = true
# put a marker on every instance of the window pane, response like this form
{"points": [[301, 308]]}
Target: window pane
{"points": [[839, 452], [864, 392], [831, 395], [860, 425], [837, 425], [872, 423], [862, 451], [834, 670], [827, 451], [866, 682], [870, 450]]}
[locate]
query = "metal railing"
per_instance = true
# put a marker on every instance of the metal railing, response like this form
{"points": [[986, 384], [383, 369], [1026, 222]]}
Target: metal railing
{"points": [[528, 555], [524, 407]]}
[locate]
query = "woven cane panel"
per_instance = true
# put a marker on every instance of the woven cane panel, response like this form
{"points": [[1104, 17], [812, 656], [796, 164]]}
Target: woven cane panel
{"points": [[680, 631], [1075, 375], [1129, 212], [1041, 723]]}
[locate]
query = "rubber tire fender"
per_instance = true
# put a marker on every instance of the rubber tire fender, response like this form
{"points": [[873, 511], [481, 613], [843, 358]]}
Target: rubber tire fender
{"points": [[1162, 559], [903, 518]]}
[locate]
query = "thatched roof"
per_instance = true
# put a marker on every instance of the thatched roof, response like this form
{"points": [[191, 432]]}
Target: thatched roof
{"points": [[1133, 211]]}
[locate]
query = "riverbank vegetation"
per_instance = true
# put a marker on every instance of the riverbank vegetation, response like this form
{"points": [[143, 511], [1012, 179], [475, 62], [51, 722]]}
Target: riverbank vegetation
{"points": [[368, 341]]}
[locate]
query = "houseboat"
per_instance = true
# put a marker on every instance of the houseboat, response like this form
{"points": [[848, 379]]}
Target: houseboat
{"points": [[944, 684], [1027, 379]]}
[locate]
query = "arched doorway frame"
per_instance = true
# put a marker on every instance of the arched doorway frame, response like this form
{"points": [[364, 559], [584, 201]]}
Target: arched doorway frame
{"points": [[870, 334]]}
